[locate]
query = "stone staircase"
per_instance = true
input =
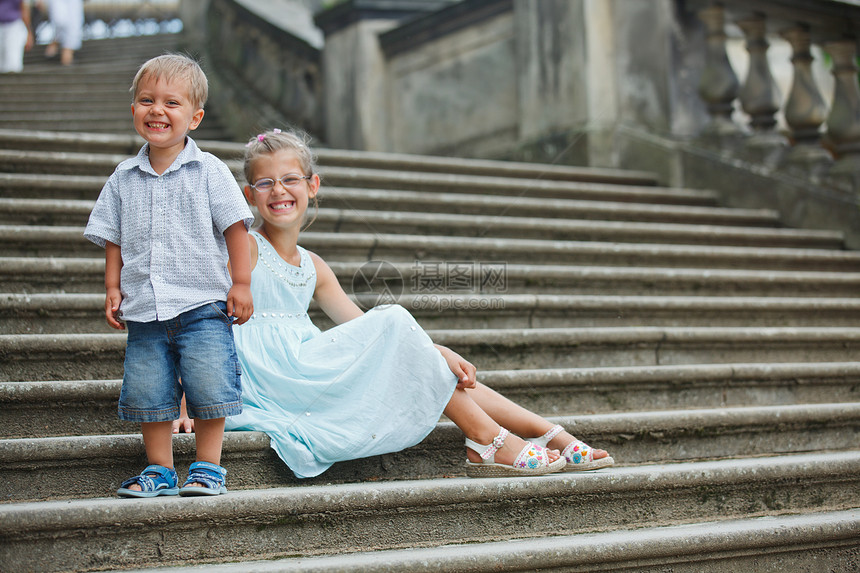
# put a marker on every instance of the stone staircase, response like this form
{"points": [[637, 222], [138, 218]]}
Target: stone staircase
{"points": [[709, 349], [90, 96]]}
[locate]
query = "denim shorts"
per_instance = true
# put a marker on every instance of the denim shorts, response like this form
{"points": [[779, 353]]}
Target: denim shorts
{"points": [[197, 347]]}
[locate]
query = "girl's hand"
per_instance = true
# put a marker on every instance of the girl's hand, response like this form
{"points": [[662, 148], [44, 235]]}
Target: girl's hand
{"points": [[240, 303], [464, 370], [112, 302], [183, 423]]}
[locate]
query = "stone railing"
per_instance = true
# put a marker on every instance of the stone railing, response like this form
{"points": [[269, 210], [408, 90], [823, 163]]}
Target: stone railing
{"points": [[109, 10], [263, 73], [819, 138]]}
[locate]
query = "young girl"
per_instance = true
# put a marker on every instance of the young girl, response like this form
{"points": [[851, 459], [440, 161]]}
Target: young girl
{"points": [[373, 384]]}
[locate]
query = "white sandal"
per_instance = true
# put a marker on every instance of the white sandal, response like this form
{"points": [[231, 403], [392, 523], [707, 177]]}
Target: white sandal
{"points": [[578, 454], [531, 461]]}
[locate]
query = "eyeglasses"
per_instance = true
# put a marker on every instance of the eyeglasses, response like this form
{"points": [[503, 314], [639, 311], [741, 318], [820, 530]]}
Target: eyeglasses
{"points": [[289, 181]]}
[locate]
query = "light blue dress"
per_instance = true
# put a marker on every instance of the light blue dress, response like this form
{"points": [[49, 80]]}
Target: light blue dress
{"points": [[373, 385]]}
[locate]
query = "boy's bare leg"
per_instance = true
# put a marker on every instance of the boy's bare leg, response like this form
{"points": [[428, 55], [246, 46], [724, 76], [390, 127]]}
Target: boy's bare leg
{"points": [[481, 428], [158, 442], [210, 438], [519, 420]]}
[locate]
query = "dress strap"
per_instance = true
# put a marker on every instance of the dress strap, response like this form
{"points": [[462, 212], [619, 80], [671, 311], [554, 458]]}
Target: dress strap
{"points": [[295, 276]]}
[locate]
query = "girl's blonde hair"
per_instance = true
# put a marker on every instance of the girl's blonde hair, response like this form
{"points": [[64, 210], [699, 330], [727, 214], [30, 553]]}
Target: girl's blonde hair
{"points": [[175, 67], [274, 140]]}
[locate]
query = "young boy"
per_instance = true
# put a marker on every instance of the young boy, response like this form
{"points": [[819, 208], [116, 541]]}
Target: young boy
{"points": [[169, 219]]}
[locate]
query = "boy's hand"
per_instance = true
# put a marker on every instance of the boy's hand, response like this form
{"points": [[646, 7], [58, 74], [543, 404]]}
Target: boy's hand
{"points": [[240, 303], [112, 302]]}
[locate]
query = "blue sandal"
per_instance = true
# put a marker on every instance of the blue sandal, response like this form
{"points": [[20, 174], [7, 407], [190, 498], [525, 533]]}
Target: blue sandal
{"points": [[153, 481], [211, 478]]}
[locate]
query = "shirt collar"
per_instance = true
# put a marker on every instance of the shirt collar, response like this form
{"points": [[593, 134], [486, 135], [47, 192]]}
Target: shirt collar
{"points": [[188, 154]]}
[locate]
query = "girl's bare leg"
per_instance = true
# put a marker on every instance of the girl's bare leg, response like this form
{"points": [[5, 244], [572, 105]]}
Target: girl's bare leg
{"points": [[519, 420], [481, 428]]}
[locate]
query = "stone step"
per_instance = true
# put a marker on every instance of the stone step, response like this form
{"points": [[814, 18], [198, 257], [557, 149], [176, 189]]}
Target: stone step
{"points": [[111, 116], [76, 212], [99, 356], [209, 130], [31, 187], [549, 208], [120, 70], [71, 84], [121, 144], [86, 275], [13, 107], [45, 313], [104, 51], [41, 241], [362, 221], [97, 464], [89, 534], [87, 407], [124, 63], [387, 179], [773, 543], [72, 163]]}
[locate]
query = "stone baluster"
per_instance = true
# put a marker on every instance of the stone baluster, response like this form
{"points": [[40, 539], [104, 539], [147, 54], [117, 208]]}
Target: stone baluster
{"points": [[760, 97], [718, 86], [843, 123], [805, 110]]}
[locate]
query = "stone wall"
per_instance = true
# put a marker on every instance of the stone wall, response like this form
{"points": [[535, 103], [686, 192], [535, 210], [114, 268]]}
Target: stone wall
{"points": [[262, 74], [457, 94]]}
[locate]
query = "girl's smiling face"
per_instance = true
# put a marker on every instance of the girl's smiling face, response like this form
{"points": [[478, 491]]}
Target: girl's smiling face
{"points": [[281, 206]]}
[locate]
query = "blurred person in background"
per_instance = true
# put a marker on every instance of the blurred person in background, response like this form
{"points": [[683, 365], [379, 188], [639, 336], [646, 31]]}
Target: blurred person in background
{"points": [[67, 18], [16, 34]]}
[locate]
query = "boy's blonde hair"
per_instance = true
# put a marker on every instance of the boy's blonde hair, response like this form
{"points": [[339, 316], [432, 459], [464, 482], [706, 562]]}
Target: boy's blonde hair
{"points": [[172, 67], [276, 140]]}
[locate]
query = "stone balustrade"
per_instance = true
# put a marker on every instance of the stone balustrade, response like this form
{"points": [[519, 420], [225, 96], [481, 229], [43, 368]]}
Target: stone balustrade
{"points": [[821, 139], [595, 82], [263, 61]]}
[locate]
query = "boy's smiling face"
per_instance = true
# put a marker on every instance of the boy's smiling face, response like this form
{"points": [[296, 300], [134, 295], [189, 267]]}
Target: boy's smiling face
{"points": [[164, 114]]}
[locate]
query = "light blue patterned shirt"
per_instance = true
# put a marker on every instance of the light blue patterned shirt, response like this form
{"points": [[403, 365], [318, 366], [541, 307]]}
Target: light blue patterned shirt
{"points": [[170, 228]]}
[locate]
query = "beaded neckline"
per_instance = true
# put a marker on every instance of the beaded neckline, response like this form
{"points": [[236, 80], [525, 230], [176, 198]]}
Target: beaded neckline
{"points": [[297, 276]]}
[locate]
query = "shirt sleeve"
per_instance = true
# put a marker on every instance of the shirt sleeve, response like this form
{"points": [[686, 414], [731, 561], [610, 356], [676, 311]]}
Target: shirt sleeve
{"points": [[104, 222], [226, 201]]}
